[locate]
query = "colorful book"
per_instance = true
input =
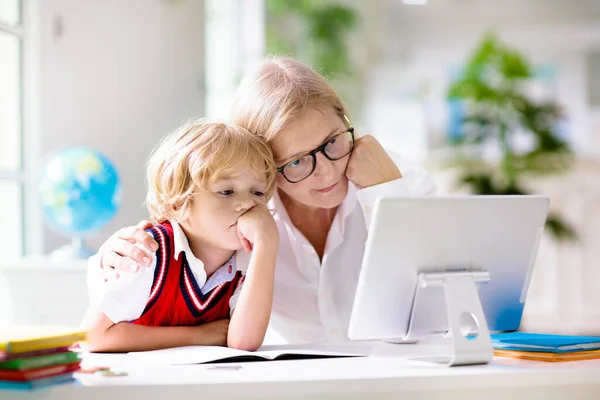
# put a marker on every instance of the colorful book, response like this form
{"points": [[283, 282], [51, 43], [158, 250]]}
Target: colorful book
{"points": [[549, 357], [539, 342], [38, 383], [28, 363], [39, 373], [8, 356], [24, 338]]}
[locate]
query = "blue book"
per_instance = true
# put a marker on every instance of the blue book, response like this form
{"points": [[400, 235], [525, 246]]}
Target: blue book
{"points": [[37, 383], [539, 342]]}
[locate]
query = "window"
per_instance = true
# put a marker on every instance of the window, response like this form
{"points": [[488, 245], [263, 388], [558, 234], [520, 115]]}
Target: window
{"points": [[12, 176], [234, 45]]}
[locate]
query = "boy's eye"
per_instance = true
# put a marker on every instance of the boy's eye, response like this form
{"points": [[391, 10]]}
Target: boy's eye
{"points": [[257, 193], [332, 141], [225, 192]]}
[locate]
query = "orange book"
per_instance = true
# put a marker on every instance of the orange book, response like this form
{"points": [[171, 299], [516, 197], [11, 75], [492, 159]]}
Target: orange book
{"points": [[549, 357]]}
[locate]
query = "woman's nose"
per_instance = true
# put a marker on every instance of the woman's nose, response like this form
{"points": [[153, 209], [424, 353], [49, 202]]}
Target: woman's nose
{"points": [[324, 167]]}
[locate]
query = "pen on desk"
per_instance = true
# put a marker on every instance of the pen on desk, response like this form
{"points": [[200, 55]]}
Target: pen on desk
{"points": [[226, 367]]}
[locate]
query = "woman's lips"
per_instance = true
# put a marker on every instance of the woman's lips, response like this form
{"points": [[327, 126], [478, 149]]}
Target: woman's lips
{"points": [[328, 188]]}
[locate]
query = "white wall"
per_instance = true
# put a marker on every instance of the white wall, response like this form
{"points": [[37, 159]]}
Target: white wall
{"points": [[422, 44], [114, 75]]}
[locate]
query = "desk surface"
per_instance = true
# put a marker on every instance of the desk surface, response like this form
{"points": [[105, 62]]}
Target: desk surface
{"points": [[387, 373]]}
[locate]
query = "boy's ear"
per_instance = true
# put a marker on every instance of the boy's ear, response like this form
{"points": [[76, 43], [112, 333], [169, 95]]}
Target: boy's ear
{"points": [[176, 211], [179, 208]]}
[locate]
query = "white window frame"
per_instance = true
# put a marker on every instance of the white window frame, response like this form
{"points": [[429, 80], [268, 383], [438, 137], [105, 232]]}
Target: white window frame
{"points": [[31, 213], [19, 176], [234, 46]]}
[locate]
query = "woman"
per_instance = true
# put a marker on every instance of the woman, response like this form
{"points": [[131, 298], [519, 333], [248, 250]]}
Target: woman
{"points": [[327, 182]]}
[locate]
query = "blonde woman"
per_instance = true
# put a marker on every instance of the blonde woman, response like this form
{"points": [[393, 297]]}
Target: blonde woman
{"points": [[208, 186], [327, 181]]}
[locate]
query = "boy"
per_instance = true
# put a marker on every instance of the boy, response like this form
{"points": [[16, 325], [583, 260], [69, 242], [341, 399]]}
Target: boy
{"points": [[208, 184]]}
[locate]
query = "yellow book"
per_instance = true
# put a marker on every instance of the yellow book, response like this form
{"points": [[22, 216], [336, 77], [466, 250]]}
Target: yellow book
{"points": [[25, 338], [549, 357]]}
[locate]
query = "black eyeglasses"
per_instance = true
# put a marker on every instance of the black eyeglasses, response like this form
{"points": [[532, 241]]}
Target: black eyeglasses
{"points": [[335, 149]]}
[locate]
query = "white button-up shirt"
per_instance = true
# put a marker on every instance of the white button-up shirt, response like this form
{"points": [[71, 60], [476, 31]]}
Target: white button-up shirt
{"points": [[313, 299]]}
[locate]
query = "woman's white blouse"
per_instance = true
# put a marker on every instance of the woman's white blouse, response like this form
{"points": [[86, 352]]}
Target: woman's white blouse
{"points": [[312, 299]]}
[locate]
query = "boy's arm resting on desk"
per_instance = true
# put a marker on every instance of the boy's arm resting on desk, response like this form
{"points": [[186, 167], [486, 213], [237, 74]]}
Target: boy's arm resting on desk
{"points": [[124, 299], [106, 336], [252, 309]]}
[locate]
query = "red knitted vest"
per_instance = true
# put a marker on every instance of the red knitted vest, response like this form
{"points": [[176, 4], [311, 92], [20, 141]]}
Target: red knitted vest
{"points": [[175, 298]]}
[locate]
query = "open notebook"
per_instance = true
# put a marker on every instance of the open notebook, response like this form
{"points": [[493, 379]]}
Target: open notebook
{"points": [[212, 354]]}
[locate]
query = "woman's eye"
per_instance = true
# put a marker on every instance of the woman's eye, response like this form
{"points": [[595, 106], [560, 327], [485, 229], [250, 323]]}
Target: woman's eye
{"points": [[225, 192], [332, 141], [295, 163]]}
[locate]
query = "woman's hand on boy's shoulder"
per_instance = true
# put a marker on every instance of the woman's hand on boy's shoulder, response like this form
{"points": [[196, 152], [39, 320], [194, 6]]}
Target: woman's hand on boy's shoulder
{"points": [[120, 251], [257, 225]]}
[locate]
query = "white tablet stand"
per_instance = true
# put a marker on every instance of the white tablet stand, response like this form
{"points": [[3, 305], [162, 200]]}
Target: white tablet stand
{"points": [[464, 322]]}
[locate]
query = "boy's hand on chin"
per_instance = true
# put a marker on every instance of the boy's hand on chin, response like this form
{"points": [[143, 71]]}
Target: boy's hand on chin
{"points": [[257, 226]]}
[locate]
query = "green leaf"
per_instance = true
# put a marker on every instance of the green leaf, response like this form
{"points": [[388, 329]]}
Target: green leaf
{"points": [[560, 229], [496, 106], [322, 43]]}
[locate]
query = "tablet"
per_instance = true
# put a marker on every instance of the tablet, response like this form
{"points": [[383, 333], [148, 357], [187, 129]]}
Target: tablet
{"points": [[409, 236]]}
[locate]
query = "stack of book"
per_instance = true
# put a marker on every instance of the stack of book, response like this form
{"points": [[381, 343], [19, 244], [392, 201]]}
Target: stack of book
{"points": [[37, 356], [544, 347]]}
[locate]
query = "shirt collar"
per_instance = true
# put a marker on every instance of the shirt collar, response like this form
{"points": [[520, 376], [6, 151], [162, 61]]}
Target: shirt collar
{"points": [[276, 204], [225, 273], [183, 245]]}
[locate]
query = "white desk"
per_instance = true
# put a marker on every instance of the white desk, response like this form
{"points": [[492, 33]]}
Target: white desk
{"points": [[384, 375]]}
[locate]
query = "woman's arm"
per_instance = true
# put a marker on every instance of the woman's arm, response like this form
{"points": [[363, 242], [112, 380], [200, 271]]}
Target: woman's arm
{"points": [[122, 250], [105, 336], [250, 318], [120, 254]]}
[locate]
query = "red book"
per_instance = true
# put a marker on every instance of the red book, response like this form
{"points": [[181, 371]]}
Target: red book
{"points": [[46, 372]]}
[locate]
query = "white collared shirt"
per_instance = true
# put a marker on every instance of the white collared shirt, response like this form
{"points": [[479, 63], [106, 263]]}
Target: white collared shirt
{"points": [[125, 299], [313, 299]]}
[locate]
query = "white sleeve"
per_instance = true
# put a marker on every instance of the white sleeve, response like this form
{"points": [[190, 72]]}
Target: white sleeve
{"points": [[234, 297], [95, 280], [124, 298], [242, 261], [415, 181]]}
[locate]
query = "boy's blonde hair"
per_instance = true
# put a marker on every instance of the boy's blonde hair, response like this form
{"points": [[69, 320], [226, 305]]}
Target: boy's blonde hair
{"points": [[197, 154], [281, 90]]}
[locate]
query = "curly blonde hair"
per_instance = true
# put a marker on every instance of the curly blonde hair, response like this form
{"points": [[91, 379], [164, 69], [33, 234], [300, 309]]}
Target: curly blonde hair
{"points": [[196, 154]]}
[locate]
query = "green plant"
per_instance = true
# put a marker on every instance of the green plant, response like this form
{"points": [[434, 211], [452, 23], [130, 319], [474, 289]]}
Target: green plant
{"points": [[314, 31], [491, 88]]}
